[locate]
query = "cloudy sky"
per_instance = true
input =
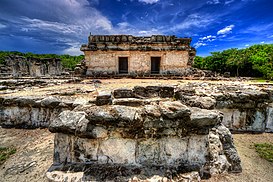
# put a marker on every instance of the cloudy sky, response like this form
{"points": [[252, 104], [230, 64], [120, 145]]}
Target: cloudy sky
{"points": [[61, 26]]}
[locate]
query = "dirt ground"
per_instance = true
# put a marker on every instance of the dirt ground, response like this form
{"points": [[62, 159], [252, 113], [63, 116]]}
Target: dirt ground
{"points": [[35, 154]]}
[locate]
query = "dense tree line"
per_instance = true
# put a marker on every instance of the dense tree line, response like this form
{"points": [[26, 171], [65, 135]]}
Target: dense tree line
{"points": [[254, 61], [66, 60]]}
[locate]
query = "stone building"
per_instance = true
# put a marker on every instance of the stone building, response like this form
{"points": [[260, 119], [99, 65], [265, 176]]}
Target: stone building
{"points": [[126, 54]]}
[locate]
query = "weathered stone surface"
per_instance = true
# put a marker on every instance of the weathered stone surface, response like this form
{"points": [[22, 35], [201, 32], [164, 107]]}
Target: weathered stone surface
{"points": [[50, 102], [229, 149], [204, 118], [123, 93], [17, 66], [174, 110], [162, 137], [69, 121], [134, 102], [197, 101], [245, 108], [30, 112], [269, 119], [153, 91], [104, 98]]}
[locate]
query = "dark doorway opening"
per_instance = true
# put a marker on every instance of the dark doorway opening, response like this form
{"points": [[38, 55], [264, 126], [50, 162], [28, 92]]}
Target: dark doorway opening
{"points": [[123, 65], [155, 65]]}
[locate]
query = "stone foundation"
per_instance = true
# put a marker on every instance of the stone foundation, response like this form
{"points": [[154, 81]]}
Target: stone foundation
{"points": [[31, 112], [140, 134], [245, 108]]}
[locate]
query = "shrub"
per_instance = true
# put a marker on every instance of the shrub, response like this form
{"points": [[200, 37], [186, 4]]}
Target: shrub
{"points": [[265, 150], [5, 153]]}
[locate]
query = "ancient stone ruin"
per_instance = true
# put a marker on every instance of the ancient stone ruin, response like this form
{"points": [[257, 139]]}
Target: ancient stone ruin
{"points": [[246, 108], [19, 66], [140, 133], [129, 55], [166, 133]]}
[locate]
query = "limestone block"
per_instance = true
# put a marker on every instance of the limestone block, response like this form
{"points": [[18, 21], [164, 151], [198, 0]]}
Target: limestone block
{"points": [[63, 148], [174, 110], [197, 150], [134, 102], [204, 118], [50, 102], [148, 152], [123, 93], [174, 150], [103, 98], [259, 121], [117, 150], [269, 119], [69, 121], [85, 150]]}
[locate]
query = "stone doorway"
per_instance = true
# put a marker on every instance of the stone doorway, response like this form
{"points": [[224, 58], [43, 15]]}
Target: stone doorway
{"points": [[155, 65], [123, 65]]}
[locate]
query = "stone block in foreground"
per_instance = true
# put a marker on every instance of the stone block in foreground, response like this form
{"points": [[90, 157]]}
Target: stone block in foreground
{"points": [[161, 140]]}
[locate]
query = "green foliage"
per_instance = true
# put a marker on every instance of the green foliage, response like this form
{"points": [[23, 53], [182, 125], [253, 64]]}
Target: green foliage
{"points": [[5, 153], [265, 150], [198, 62], [71, 61], [67, 61], [255, 61]]}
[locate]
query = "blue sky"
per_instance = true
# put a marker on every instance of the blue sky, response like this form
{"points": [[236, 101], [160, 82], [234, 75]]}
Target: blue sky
{"points": [[61, 26]]}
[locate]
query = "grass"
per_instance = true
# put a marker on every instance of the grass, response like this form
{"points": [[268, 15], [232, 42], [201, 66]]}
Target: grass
{"points": [[262, 80], [5, 153], [265, 150]]}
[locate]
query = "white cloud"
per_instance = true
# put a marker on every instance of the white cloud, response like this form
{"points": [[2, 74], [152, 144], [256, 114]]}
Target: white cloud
{"points": [[229, 1], [208, 38], [2, 26], [148, 1], [259, 28], [262, 42], [226, 30], [199, 44], [73, 50], [193, 20], [213, 2], [204, 40], [148, 32], [75, 17], [123, 25], [36, 24]]}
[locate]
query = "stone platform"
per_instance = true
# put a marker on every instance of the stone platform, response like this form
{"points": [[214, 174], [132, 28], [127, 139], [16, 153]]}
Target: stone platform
{"points": [[145, 133]]}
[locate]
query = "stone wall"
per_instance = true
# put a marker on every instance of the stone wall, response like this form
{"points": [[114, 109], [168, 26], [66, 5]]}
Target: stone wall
{"points": [[31, 112], [245, 108], [139, 134], [139, 62], [18, 66]]}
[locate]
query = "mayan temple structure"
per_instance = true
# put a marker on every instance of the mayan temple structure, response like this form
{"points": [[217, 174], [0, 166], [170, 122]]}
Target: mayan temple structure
{"points": [[130, 55]]}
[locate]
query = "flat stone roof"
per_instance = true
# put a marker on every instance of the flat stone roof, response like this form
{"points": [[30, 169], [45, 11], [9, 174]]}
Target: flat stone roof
{"points": [[129, 42]]}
